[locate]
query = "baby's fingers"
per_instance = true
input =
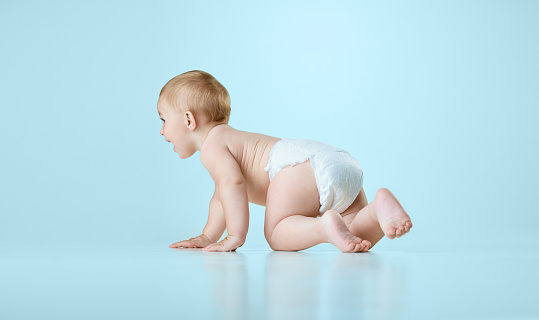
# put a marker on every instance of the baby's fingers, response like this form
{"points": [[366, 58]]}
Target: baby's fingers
{"points": [[176, 245], [224, 245], [185, 244], [215, 247]]}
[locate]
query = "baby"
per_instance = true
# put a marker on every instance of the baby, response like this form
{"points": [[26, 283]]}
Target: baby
{"points": [[313, 192]]}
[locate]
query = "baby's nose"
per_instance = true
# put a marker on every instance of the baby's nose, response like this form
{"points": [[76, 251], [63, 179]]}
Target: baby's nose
{"points": [[161, 132]]}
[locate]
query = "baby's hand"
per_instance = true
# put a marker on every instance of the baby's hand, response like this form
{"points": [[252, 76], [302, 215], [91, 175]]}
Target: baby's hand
{"points": [[230, 243], [198, 242]]}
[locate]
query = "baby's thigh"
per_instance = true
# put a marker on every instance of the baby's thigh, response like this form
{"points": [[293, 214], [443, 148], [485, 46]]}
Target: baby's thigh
{"points": [[292, 191]]}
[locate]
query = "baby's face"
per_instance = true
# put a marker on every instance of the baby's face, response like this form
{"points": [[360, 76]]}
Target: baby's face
{"points": [[175, 130]]}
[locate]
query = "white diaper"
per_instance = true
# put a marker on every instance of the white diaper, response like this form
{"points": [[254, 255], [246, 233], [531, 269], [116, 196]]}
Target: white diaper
{"points": [[339, 177]]}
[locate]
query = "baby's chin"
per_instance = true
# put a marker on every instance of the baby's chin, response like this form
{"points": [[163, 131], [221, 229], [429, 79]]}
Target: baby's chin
{"points": [[180, 155], [184, 156]]}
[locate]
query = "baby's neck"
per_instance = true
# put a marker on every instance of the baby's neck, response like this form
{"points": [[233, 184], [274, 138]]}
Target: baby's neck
{"points": [[202, 133]]}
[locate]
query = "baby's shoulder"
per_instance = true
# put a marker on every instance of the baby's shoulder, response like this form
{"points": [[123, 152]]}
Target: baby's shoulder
{"points": [[219, 137], [220, 148], [215, 138]]}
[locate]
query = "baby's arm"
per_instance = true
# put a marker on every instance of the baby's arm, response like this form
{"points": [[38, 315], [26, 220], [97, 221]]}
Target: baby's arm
{"points": [[216, 219], [232, 190], [212, 231]]}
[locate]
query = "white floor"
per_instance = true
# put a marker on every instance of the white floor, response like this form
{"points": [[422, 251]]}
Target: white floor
{"points": [[161, 283]]}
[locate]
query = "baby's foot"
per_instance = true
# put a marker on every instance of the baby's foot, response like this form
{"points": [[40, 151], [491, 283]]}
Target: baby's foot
{"points": [[337, 233], [395, 222]]}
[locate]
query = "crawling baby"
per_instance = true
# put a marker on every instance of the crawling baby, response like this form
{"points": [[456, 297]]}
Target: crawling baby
{"points": [[313, 192]]}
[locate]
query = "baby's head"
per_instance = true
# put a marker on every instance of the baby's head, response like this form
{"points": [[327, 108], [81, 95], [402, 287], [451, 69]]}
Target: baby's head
{"points": [[189, 104]]}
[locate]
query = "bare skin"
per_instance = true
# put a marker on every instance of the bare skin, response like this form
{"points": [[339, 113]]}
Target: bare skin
{"points": [[236, 160]]}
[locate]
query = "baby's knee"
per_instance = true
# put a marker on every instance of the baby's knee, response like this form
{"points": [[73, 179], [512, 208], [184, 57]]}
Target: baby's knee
{"points": [[267, 235], [275, 244]]}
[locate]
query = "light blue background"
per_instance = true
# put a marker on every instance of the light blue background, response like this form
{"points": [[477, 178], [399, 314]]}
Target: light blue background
{"points": [[437, 100]]}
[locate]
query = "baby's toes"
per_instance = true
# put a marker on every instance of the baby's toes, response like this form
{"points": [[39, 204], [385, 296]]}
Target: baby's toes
{"points": [[351, 246], [366, 245], [390, 232], [354, 247], [360, 247]]}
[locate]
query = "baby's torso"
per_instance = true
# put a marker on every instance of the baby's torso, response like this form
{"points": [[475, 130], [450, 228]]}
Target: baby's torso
{"points": [[251, 151]]}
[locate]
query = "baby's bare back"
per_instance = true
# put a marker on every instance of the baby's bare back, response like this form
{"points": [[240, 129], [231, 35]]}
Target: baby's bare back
{"points": [[251, 151]]}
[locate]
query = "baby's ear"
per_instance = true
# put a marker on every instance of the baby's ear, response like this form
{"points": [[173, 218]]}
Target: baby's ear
{"points": [[190, 120]]}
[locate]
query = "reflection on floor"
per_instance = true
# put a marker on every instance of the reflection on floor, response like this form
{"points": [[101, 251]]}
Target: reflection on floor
{"points": [[162, 283]]}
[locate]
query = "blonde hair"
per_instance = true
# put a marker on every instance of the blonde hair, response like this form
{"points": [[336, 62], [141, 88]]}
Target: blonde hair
{"points": [[199, 92]]}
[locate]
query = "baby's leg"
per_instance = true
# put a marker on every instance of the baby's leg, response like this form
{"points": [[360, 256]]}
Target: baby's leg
{"points": [[292, 206], [384, 215], [297, 232]]}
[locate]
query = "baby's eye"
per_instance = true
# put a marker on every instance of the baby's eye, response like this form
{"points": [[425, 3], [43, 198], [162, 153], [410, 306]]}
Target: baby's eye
{"points": [[162, 119]]}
